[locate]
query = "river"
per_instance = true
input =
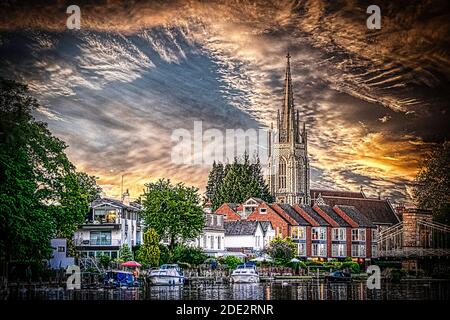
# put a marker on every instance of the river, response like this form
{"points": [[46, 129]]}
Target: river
{"points": [[305, 290]]}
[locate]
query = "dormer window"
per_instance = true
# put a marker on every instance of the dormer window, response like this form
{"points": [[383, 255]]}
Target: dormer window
{"points": [[262, 210]]}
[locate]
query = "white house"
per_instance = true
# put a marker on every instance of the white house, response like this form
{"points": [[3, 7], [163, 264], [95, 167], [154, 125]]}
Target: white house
{"points": [[269, 232], [59, 257], [110, 224], [212, 239], [246, 236]]}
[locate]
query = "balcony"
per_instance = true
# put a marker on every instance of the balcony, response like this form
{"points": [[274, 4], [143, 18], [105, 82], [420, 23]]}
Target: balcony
{"points": [[114, 224], [97, 243]]}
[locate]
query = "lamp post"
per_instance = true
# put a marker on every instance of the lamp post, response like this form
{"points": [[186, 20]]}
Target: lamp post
{"points": [[121, 187]]}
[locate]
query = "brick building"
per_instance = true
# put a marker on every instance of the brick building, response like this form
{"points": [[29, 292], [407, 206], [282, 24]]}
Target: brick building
{"points": [[320, 231]]}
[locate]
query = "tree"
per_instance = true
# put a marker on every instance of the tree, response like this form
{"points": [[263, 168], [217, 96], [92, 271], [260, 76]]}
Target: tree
{"points": [[40, 195], [215, 179], [432, 184], [149, 252], [173, 211], [89, 185], [243, 179], [282, 250], [125, 253], [187, 254]]}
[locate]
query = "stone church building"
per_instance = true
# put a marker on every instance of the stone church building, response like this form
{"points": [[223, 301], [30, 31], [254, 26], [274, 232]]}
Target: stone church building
{"points": [[288, 164]]}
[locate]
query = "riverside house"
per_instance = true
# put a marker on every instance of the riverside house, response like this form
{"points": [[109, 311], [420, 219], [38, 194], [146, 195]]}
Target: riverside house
{"points": [[109, 225], [249, 237], [321, 231], [212, 239]]}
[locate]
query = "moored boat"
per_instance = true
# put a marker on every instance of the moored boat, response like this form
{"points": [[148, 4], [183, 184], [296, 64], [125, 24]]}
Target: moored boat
{"points": [[245, 273], [167, 274], [120, 278]]}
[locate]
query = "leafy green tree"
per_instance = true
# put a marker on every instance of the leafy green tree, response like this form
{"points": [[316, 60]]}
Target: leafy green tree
{"points": [[282, 250], [232, 262], [89, 185], [165, 254], [173, 211], [104, 260], [149, 252], [237, 182], [188, 254], [41, 195], [125, 253], [432, 185]]}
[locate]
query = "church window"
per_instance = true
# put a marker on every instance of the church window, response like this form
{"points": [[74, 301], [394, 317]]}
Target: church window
{"points": [[282, 174]]}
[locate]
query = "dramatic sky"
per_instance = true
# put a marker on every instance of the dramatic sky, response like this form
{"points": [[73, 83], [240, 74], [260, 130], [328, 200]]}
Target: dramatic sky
{"points": [[374, 101]]}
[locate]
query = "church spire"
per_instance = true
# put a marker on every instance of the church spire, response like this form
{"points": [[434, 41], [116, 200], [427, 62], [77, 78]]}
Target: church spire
{"points": [[287, 111]]}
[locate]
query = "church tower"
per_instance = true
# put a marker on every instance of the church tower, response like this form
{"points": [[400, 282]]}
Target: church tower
{"points": [[288, 164]]}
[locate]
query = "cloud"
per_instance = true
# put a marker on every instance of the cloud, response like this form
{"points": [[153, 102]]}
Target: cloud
{"points": [[133, 74]]}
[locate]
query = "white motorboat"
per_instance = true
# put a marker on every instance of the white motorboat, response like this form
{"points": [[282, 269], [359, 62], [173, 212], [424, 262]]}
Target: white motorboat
{"points": [[167, 274], [245, 273]]}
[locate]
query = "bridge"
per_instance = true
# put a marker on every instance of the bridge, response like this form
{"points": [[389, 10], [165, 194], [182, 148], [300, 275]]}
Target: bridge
{"points": [[418, 237]]}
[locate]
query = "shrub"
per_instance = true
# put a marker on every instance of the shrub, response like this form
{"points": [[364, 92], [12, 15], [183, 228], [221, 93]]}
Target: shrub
{"points": [[282, 250], [164, 254], [149, 253], [104, 260], [353, 266], [187, 254], [232, 261]]}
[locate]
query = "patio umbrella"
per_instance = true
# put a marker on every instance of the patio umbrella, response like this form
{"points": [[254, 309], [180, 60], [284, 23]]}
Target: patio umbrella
{"points": [[131, 264], [295, 260]]}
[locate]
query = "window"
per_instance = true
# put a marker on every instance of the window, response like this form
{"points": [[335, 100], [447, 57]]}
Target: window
{"points": [[319, 250], [338, 234], [301, 249], [374, 235], [298, 233], [218, 243], [374, 251], [358, 234], [358, 250], [100, 238], [209, 220], [257, 241], [319, 233], [282, 174], [262, 210], [61, 249], [219, 220], [215, 220], [105, 216], [338, 250], [204, 242], [278, 233], [212, 242]]}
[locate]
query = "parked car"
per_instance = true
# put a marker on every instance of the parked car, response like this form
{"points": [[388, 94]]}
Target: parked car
{"points": [[339, 276]]}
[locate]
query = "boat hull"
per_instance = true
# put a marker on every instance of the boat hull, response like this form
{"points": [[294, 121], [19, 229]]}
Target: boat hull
{"points": [[161, 280], [245, 278]]}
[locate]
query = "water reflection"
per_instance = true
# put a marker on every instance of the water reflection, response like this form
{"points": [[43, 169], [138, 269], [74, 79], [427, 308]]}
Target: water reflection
{"points": [[307, 290]]}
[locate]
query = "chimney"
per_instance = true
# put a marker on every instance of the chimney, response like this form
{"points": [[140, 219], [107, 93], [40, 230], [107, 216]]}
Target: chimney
{"points": [[207, 207], [126, 198]]}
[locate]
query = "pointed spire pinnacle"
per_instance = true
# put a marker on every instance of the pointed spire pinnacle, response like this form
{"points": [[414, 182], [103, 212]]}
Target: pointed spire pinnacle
{"points": [[287, 111]]}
